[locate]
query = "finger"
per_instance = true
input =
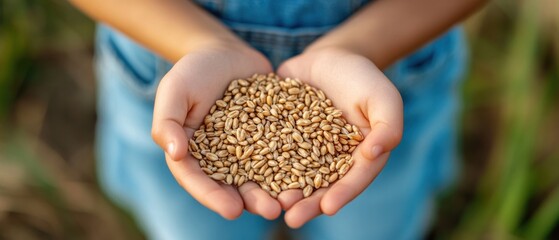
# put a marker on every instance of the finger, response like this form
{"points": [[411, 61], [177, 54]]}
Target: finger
{"points": [[259, 202], [289, 197], [170, 110], [382, 138], [361, 174], [304, 210], [170, 136], [208, 192], [385, 114]]}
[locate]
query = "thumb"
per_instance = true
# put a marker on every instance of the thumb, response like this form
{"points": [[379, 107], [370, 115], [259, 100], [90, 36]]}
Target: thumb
{"points": [[170, 136], [381, 139], [385, 115], [169, 113]]}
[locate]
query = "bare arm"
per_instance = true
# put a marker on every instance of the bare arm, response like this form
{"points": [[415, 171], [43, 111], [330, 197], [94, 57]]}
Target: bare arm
{"points": [[387, 30], [170, 28], [206, 56], [345, 65]]}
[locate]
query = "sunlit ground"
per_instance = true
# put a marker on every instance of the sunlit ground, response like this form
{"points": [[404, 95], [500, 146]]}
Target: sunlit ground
{"points": [[508, 188]]}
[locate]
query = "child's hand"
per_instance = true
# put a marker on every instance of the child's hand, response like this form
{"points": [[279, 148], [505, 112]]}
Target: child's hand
{"points": [[370, 101], [183, 98]]}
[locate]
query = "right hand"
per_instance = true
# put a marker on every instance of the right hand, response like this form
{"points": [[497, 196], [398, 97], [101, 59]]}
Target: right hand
{"points": [[184, 97], [370, 101]]}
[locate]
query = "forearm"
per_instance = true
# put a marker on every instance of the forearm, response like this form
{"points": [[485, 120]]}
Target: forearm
{"points": [[387, 30], [170, 28]]}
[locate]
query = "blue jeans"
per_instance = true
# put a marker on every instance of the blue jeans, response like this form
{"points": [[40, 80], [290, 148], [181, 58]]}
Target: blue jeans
{"points": [[397, 205]]}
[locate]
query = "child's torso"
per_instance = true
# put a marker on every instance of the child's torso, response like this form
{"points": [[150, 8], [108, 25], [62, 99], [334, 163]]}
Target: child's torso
{"points": [[283, 13]]}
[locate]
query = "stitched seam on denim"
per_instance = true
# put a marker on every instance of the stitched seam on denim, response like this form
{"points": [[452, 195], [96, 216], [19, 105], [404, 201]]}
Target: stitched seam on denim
{"points": [[267, 40], [116, 50], [108, 56]]}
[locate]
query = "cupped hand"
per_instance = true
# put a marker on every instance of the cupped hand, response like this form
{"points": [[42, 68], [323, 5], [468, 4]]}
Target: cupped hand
{"points": [[184, 97], [368, 100]]}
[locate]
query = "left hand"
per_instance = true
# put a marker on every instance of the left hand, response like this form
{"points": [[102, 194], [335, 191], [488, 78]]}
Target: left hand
{"points": [[368, 100], [184, 97]]}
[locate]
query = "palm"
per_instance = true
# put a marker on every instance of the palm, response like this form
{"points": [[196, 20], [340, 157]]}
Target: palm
{"points": [[185, 95], [368, 100]]}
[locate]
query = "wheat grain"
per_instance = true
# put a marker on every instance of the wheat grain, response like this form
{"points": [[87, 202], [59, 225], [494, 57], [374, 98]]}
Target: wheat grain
{"points": [[279, 133]]}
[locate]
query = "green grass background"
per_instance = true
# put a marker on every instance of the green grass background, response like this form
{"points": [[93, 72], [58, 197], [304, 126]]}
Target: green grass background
{"points": [[508, 187]]}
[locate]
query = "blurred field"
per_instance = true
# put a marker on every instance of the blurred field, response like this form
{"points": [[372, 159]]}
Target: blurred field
{"points": [[509, 187]]}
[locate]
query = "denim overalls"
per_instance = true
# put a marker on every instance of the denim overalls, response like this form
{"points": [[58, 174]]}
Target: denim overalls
{"points": [[399, 203]]}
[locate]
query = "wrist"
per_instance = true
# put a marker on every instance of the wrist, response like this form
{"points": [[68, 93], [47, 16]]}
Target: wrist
{"points": [[335, 43], [220, 42], [233, 57], [334, 46], [239, 54], [333, 54]]}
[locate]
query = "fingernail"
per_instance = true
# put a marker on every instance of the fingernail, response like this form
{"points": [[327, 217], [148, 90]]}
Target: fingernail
{"points": [[376, 151], [171, 149]]}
